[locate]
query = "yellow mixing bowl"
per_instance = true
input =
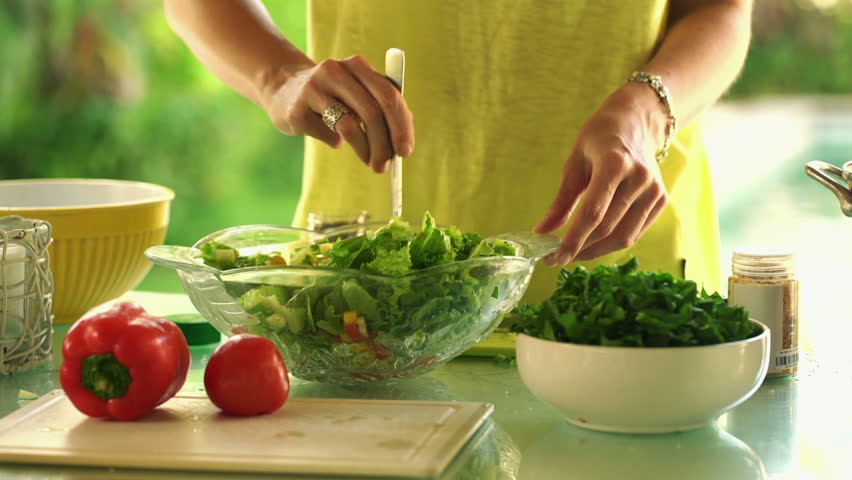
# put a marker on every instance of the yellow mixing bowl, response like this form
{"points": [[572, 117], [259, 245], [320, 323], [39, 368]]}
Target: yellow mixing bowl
{"points": [[101, 229]]}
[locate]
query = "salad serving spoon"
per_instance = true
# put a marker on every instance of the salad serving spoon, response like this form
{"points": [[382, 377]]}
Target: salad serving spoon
{"points": [[395, 72]]}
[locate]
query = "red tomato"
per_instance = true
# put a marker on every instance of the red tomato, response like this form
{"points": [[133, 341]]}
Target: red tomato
{"points": [[246, 376], [353, 332]]}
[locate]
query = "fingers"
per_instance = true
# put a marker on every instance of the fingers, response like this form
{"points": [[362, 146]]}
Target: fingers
{"points": [[380, 122], [624, 197], [625, 191], [312, 124], [572, 186], [397, 116], [655, 213], [348, 126], [638, 218], [592, 210], [372, 144]]}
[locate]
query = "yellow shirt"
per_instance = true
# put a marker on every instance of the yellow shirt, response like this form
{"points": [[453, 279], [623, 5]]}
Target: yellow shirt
{"points": [[499, 89]]}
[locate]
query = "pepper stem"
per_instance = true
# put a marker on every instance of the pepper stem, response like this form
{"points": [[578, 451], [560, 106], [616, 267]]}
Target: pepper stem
{"points": [[105, 376]]}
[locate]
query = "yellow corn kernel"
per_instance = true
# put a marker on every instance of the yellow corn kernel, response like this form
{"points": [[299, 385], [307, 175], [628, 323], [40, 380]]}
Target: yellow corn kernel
{"points": [[350, 317]]}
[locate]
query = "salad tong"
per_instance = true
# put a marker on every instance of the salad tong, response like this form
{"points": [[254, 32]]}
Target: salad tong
{"points": [[395, 72]]}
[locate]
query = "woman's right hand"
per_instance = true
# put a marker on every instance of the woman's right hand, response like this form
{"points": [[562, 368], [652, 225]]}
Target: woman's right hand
{"points": [[380, 123]]}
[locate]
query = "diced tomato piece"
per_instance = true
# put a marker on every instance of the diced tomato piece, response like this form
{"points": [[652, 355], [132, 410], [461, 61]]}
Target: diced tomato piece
{"points": [[382, 352], [353, 332]]}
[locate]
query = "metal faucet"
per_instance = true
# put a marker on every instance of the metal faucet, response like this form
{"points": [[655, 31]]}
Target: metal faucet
{"points": [[835, 179]]}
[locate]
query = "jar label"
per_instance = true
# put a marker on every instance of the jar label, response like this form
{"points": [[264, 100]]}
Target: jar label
{"points": [[777, 307], [787, 358]]}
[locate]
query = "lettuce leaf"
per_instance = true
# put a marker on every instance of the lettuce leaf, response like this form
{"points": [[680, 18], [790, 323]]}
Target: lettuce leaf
{"points": [[411, 317]]}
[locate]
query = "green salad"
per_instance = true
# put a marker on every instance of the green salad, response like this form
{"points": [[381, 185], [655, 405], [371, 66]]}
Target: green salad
{"points": [[390, 319], [623, 306]]}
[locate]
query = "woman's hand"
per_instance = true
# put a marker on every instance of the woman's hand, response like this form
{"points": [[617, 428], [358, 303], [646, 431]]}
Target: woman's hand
{"points": [[380, 122], [612, 167]]}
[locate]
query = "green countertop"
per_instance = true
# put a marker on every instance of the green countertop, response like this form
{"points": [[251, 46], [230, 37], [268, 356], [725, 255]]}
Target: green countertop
{"points": [[798, 427]]}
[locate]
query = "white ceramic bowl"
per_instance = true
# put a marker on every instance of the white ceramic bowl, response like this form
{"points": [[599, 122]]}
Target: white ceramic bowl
{"points": [[643, 390]]}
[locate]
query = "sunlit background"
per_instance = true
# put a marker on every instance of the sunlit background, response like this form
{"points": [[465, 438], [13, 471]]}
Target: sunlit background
{"points": [[103, 88]]}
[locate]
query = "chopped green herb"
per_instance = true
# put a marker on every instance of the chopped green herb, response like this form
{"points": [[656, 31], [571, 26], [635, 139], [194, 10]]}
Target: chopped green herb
{"points": [[622, 306]]}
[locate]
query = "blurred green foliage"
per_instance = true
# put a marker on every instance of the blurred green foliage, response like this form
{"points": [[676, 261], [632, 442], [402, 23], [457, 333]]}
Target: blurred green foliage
{"points": [[105, 89], [798, 47]]}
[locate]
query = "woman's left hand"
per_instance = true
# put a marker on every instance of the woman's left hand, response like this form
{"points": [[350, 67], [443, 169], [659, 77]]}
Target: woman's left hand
{"points": [[612, 167]]}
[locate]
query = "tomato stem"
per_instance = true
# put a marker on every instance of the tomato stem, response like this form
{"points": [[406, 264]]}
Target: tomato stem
{"points": [[105, 376]]}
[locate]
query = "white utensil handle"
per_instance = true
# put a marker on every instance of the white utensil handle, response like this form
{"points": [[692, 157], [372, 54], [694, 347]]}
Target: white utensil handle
{"points": [[395, 71], [395, 67]]}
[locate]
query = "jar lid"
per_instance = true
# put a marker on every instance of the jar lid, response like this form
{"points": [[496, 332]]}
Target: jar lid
{"points": [[764, 251], [763, 260]]}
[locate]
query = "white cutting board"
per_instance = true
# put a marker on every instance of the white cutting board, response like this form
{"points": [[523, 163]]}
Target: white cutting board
{"points": [[307, 435]]}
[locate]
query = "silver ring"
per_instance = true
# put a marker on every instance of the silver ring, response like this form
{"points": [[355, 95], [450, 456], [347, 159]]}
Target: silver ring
{"points": [[333, 113]]}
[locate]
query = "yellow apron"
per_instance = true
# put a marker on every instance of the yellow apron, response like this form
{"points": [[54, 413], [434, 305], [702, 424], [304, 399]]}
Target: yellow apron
{"points": [[499, 89]]}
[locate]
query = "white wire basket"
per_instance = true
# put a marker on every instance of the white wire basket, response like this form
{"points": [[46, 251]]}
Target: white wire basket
{"points": [[26, 294]]}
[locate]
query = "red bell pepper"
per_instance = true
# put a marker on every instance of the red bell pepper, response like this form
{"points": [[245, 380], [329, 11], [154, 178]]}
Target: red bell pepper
{"points": [[122, 363], [355, 326]]}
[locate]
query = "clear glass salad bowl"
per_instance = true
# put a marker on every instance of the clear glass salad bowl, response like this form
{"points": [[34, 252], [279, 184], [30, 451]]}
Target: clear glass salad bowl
{"points": [[392, 326]]}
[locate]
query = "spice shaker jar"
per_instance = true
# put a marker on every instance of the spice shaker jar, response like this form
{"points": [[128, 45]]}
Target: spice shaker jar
{"points": [[763, 282]]}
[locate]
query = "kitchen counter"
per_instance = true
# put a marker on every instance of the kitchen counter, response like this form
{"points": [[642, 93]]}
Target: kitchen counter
{"points": [[797, 427]]}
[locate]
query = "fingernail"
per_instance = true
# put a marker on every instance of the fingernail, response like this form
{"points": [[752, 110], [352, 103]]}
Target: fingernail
{"points": [[549, 260], [407, 149], [565, 258]]}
